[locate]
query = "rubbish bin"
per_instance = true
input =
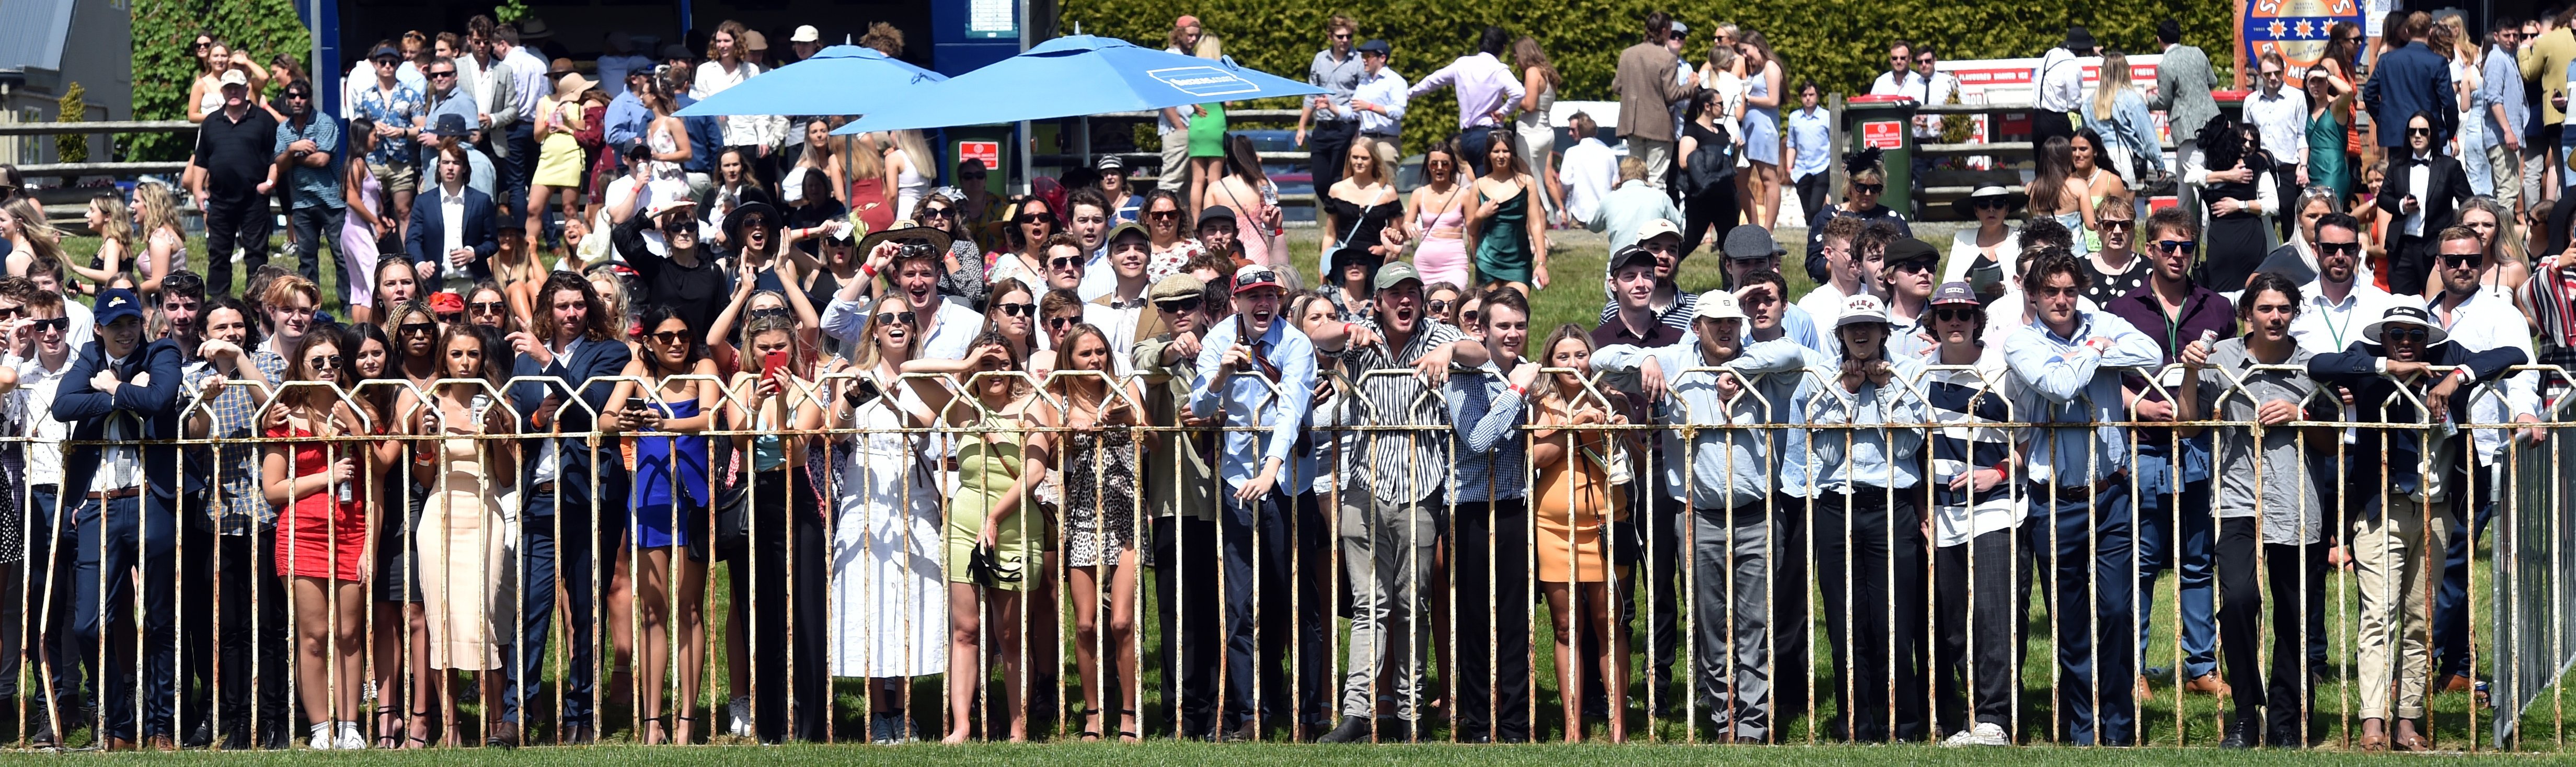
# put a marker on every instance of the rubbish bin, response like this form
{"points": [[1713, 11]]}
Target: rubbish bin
{"points": [[1886, 122]]}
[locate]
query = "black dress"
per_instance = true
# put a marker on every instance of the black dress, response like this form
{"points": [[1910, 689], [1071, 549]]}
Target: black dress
{"points": [[1708, 204], [2235, 244], [1358, 231], [699, 292]]}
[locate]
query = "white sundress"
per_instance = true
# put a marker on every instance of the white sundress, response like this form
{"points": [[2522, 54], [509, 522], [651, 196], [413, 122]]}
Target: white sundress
{"points": [[889, 587]]}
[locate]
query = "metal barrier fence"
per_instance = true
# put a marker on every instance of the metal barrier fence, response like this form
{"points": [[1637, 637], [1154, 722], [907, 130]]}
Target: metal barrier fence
{"points": [[838, 511]]}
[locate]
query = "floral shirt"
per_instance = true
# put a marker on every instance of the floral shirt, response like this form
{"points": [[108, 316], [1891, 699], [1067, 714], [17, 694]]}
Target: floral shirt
{"points": [[396, 107]]}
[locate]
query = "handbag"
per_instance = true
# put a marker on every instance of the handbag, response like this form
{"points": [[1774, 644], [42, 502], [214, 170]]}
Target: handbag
{"points": [[985, 566], [1614, 468]]}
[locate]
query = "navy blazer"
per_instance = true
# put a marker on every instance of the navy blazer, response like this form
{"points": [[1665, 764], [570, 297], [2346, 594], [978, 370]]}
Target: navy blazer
{"points": [[428, 232], [87, 409], [2357, 368], [592, 367], [2410, 80]]}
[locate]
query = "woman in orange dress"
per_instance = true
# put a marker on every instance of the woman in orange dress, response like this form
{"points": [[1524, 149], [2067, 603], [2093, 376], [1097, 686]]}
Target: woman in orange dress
{"points": [[1574, 502], [320, 488]]}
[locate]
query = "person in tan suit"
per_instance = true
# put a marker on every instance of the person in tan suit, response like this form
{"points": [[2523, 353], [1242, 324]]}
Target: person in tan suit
{"points": [[1647, 89]]}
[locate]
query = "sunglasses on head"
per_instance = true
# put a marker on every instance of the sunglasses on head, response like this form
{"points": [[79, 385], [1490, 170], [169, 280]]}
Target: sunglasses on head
{"points": [[1016, 310], [1869, 188], [1951, 314], [774, 311], [417, 328], [891, 317], [2472, 259], [1177, 306]]}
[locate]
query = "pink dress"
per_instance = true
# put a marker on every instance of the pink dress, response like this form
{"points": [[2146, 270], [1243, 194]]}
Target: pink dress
{"points": [[1441, 259], [358, 243]]}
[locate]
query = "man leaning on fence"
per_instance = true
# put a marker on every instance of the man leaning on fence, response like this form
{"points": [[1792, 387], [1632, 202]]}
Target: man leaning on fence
{"points": [[123, 389], [2067, 364], [1390, 510]]}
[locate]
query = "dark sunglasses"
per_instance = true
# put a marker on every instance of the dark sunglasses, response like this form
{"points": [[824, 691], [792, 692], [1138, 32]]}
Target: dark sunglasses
{"points": [[486, 307], [1181, 306], [669, 336], [324, 361], [2177, 246], [774, 311], [2108, 224], [1437, 307], [2472, 259], [13, 312], [1911, 266], [57, 323], [1469, 316], [421, 328], [1954, 315], [451, 318], [1990, 204], [203, 44], [2404, 334], [902, 317], [1164, 214], [678, 226], [448, 73], [2419, 131], [1062, 262], [935, 213], [298, 96], [1015, 310], [1058, 322], [2338, 248], [1868, 188]]}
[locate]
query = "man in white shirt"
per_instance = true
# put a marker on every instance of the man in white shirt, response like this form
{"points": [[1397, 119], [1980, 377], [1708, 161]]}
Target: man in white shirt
{"points": [[1589, 168], [1380, 97], [2060, 80], [946, 328], [1938, 88], [1900, 79], [2280, 117], [1488, 93], [1852, 258]]}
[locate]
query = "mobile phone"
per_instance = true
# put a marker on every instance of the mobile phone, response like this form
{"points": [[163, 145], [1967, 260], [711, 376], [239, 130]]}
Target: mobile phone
{"points": [[862, 392], [481, 405], [635, 403], [771, 363]]}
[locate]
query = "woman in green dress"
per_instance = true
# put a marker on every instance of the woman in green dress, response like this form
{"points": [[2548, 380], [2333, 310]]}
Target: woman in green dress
{"points": [[999, 465], [1207, 136], [2329, 111], [1510, 244]]}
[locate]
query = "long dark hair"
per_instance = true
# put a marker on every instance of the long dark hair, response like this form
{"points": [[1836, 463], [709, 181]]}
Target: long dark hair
{"points": [[1242, 160], [657, 314], [2056, 162]]}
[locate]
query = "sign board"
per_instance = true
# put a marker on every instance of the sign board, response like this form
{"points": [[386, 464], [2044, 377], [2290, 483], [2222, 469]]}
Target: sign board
{"points": [[2296, 29], [1203, 81], [1884, 134], [2010, 81], [988, 151], [992, 19]]}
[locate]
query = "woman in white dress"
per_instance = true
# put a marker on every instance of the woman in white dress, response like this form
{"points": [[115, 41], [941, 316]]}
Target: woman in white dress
{"points": [[910, 160], [889, 596]]}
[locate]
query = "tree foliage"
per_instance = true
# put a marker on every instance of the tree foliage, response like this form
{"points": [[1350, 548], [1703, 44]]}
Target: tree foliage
{"points": [[71, 108], [1842, 44], [164, 66]]}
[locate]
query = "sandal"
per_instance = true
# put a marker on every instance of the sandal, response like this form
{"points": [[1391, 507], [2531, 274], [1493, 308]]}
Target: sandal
{"points": [[2373, 743], [1090, 732], [389, 739], [422, 719], [2413, 741], [1129, 736]]}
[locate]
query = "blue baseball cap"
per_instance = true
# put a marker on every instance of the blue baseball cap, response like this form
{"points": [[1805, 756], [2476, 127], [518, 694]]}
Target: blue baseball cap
{"points": [[116, 304]]}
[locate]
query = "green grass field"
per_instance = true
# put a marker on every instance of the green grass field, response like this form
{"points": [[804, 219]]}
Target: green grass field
{"points": [[1575, 263]]}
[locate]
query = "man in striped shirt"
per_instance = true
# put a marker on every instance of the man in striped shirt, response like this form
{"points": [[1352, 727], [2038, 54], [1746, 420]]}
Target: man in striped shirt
{"points": [[1390, 507], [1491, 529]]}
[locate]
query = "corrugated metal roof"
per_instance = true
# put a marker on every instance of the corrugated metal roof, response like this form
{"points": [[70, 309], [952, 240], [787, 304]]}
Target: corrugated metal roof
{"points": [[32, 33]]}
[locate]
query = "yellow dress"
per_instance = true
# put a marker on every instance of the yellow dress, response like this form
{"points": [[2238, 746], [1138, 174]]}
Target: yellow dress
{"points": [[988, 466], [1572, 500], [559, 158]]}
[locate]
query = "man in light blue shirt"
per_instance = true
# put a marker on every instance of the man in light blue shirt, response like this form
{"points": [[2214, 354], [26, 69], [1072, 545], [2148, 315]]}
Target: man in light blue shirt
{"points": [[1257, 372], [2499, 99], [1868, 524], [2067, 364], [1490, 528], [628, 117], [1380, 97], [1809, 131], [1625, 210], [1723, 471]]}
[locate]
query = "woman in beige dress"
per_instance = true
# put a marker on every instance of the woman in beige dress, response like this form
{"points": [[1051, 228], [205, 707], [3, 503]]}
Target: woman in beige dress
{"points": [[464, 542]]}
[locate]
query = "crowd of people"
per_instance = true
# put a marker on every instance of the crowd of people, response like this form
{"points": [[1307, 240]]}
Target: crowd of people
{"points": [[910, 427]]}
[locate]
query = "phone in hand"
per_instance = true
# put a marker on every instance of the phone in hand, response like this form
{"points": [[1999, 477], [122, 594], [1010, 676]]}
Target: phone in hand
{"points": [[771, 363], [635, 403]]}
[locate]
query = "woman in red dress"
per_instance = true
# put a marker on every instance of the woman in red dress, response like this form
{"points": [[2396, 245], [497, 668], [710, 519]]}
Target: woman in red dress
{"points": [[319, 488]]}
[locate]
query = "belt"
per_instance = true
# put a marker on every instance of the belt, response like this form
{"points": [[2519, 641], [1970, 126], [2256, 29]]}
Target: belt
{"points": [[122, 492]]}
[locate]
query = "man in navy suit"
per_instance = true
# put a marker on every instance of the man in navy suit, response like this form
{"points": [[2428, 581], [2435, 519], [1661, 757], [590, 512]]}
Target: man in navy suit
{"points": [[122, 389], [454, 229], [576, 342], [2410, 79]]}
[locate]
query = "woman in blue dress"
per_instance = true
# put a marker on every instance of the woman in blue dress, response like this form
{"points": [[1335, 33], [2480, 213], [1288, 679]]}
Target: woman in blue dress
{"points": [[667, 508], [1764, 82]]}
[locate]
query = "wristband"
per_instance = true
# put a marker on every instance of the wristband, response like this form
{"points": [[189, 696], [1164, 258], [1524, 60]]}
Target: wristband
{"points": [[870, 269], [1518, 390]]}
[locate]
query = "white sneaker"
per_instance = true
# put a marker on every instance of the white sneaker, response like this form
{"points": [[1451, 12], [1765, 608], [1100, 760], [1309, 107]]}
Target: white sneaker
{"points": [[1984, 734], [740, 713], [322, 740], [350, 738]]}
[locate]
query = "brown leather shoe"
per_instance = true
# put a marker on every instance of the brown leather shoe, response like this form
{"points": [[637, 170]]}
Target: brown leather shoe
{"points": [[2207, 684], [504, 735], [2143, 692], [2456, 683], [119, 744], [159, 743]]}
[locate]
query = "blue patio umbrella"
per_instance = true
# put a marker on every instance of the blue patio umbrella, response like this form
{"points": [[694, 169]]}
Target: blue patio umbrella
{"points": [[1074, 76], [839, 80]]}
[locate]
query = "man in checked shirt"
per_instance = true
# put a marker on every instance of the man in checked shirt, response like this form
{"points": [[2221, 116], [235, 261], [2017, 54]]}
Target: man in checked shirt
{"points": [[1391, 506]]}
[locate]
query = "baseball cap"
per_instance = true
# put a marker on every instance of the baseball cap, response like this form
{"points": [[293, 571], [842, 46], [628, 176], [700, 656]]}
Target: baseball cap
{"points": [[753, 40], [806, 33], [1394, 274], [793, 186], [1215, 211], [1749, 242], [1258, 276], [1378, 47], [1955, 293], [118, 303], [1862, 308], [1123, 229], [384, 52], [1679, 27], [1185, 20], [1180, 285], [1633, 254], [1657, 228], [678, 52], [1110, 162], [235, 77], [1718, 305]]}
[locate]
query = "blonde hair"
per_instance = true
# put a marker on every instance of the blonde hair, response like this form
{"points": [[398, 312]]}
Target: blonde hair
{"points": [[1209, 47], [120, 223], [863, 159], [2114, 80], [1377, 159], [160, 207], [41, 234], [916, 152]]}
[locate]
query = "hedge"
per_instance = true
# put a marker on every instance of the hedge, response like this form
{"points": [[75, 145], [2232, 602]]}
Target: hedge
{"points": [[164, 66]]}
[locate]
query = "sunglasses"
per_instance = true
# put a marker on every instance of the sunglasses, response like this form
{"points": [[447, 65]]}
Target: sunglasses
{"points": [[2419, 131], [417, 328], [973, 177], [2338, 248], [669, 336], [935, 213], [13, 312], [2471, 260], [1437, 307], [1990, 204], [677, 227], [774, 311], [298, 96], [203, 44], [485, 307], [2122, 224], [902, 317], [1868, 188], [1912, 266], [1058, 322], [2065, 292], [1182, 306], [1469, 316], [1164, 214], [447, 73], [1954, 315], [57, 324], [2177, 246], [1016, 310], [451, 318], [1064, 262], [324, 361], [1031, 218], [2404, 334]]}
